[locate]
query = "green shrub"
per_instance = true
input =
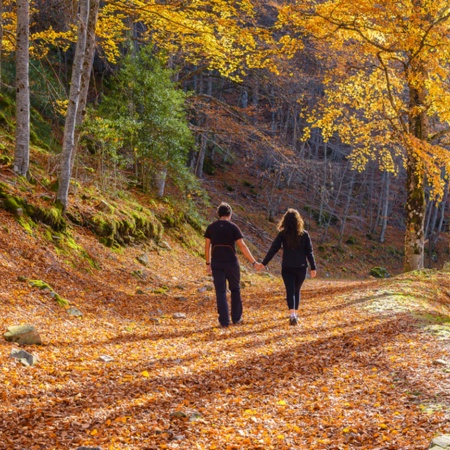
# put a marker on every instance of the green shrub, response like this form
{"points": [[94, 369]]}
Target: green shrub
{"points": [[379, 272]]}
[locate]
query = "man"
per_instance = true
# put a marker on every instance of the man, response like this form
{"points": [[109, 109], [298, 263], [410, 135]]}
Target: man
{"points": [[221, 238]]}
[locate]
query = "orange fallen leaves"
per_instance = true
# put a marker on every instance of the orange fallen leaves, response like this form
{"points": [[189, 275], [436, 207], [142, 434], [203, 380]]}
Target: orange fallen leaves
{"points": [[264, 385]]}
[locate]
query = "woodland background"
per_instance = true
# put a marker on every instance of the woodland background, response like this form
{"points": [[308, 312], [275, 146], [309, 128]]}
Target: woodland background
{"points": [[309, 115], [124, 124]]}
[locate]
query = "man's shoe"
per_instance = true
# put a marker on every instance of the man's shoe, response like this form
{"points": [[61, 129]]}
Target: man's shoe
{"points": [[239, 322], [293, 320]]}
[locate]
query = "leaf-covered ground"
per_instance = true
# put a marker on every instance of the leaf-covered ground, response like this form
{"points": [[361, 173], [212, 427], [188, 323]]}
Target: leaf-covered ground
{"points": [[359, 371]]}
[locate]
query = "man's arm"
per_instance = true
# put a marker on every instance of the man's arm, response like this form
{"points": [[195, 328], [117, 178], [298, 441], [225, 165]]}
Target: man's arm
{"points": [[247, 253], [208, 254]]}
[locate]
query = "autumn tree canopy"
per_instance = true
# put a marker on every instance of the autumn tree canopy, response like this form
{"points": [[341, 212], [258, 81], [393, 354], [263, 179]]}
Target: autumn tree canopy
{"points": [[386, 89]]}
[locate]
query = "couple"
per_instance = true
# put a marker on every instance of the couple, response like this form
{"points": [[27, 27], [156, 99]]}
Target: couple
{"points": [[221, 261]]}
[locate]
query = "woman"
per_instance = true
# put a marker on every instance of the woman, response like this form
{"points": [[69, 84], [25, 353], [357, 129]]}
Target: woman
{"points": [[297, 252]]}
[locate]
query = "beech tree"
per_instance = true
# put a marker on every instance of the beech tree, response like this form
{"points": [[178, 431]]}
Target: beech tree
{"points": [[386, 90], [22, 151]]}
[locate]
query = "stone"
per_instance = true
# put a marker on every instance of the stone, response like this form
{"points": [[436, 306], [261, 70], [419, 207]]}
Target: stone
{"points": [[165, 245], [179, 437], [195, 415], [181, 299], [23, 335], [441, 362], [22, 279], [179, 414], [154, 320], [105, 358], [179, 316], [72, 311], [27, 359], [143, 259], [441, 442]]}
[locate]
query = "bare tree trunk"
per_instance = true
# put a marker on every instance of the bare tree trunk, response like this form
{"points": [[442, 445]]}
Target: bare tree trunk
{"points": [[255, 100], [22, 151], [384, 213], [72, 108], [323, 188], [347, 207], [244, 98], [201, 157], [160, 181], [443, 208], [87, 70]]}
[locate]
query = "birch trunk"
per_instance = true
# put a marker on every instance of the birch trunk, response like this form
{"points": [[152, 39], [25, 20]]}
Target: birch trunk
{"points": [[72, 108], [87, 69], [201, 157], [160, 181], [384, 213], [22, 151]]}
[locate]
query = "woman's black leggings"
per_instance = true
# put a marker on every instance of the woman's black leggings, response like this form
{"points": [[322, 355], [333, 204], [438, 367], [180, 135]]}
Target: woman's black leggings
{"points": [[293, 280]]}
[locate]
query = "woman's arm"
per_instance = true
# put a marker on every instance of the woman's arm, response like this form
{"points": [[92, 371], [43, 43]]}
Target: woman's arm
{"points": [[276, 245], [310, 254]]}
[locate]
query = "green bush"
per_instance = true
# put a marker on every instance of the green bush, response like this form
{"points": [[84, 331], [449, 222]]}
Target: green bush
{"points": [[379, 272]]}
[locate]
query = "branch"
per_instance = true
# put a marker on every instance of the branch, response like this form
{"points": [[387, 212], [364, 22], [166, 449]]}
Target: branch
{"points": [[439, 134]]}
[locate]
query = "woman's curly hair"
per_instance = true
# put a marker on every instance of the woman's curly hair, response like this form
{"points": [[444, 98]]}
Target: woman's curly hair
{"points": [[291, 227]]}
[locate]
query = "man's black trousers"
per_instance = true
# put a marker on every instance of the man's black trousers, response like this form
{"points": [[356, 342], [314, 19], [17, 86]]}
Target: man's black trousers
{"points": [[223, 272]]}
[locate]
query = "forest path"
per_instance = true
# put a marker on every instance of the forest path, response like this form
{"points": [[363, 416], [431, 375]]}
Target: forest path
{"points": [[349, 375]]}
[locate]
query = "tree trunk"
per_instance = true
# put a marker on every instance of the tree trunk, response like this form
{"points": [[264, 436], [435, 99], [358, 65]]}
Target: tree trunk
{"points": [[87, 70], [443, 208], [22, 151], [347, 208], [201, 157], [72, 108], [160, 181], [415, 206], [384, 213]]}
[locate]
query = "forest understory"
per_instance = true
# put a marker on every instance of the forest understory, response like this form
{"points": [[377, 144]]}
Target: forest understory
{"points": [[147, 367]]}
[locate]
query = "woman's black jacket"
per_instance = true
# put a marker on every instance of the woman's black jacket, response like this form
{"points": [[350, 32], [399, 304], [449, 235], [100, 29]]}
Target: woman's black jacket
{"points": [[293, 257]]}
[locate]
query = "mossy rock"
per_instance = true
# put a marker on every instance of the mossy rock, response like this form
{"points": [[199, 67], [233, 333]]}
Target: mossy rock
{"points": [[125, 226], [50, 216], [11, 205], [45, 286], [379, 272]]}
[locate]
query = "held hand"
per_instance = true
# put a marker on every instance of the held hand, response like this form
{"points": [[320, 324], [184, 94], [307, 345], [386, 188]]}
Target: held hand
{"points": [[313, 273], [259, 267]]}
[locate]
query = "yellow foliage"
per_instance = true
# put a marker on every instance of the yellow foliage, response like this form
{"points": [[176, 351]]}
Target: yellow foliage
{"points": [[386, 79]]}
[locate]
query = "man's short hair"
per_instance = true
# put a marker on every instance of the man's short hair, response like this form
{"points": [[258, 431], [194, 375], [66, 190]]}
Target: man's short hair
{"points": [[224, 210]]}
